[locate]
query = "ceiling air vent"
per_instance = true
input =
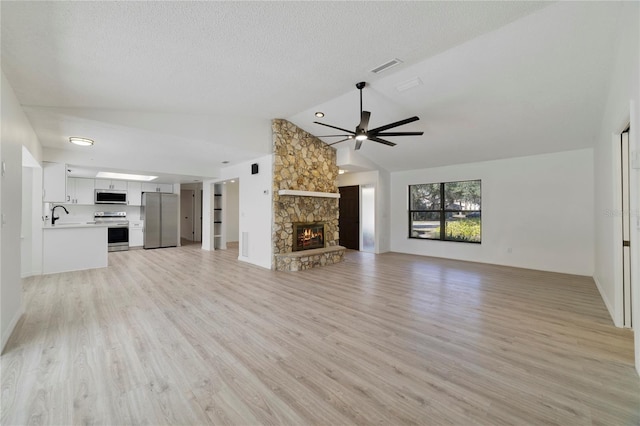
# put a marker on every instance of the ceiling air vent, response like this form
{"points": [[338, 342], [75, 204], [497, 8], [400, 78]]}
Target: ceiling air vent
{"points": [[386, 66]]}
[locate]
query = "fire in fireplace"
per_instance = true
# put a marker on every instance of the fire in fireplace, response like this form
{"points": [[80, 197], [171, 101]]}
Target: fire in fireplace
{"points": [[308, 236]]}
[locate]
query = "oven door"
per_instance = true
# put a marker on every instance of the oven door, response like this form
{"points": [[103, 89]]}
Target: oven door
{"points": [[118, 238]]}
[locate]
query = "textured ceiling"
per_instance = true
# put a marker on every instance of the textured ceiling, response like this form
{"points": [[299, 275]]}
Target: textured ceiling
{"points": [[186, 85]]}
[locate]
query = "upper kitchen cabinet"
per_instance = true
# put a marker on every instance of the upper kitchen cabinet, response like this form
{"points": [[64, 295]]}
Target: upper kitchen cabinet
{"points": [[134, 193], [54, 182], [157, 187], [111, 184], [80, 191]]}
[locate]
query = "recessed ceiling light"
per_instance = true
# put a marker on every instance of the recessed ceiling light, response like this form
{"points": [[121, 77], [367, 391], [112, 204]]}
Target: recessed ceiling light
{"points": [[125, 176], [341, 172], [233, 181], [81, 141], [319, 114]]}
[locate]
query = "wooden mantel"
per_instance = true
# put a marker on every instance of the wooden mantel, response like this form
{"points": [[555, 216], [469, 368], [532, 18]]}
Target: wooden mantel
{"points": [[308, 193]]}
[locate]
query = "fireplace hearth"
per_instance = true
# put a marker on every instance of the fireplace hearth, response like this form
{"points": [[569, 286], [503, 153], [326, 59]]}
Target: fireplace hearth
{"points": [[307, 236]]}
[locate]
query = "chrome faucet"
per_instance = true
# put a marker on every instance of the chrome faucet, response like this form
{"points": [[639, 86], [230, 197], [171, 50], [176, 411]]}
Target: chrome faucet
{"points": [[54, 217]]}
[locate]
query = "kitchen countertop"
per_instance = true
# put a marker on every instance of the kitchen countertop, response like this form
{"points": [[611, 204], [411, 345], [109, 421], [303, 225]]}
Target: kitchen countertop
{"points": [[75, 225]]}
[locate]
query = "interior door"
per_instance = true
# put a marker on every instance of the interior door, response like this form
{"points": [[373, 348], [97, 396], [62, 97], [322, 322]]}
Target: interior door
{"points": [[187, 201], [626, 231], [349, 221]]}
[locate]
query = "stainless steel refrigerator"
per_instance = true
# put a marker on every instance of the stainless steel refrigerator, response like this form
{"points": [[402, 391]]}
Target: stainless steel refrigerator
{"points": [[160, 214]]}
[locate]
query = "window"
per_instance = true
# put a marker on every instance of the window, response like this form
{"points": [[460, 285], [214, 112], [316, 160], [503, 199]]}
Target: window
{"points": [[447, 211]]}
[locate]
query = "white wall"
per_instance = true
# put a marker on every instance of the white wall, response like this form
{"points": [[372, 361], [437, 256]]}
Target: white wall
{"points": [[255, 204], [232, 211], [383, 215], [622, 107], [26, 231], [16, 132], [537, 212]]}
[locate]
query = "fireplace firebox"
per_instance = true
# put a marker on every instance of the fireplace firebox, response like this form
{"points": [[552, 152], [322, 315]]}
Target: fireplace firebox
{"points": [[307, 236]]}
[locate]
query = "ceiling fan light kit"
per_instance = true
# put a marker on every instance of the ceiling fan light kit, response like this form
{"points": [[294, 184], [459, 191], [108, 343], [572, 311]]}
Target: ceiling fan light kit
{"points": [[362, 132]]}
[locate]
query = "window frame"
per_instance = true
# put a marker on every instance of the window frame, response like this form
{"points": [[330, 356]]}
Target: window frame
{"points": [[442, 211]]}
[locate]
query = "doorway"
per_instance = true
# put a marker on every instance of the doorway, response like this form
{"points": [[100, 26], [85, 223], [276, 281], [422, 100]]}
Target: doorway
{"points": [[187, 213], [349, 221], [626, 230], [191, 213]]}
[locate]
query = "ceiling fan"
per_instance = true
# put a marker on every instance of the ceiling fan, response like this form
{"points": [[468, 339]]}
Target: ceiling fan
{"points": [[362, 133]]}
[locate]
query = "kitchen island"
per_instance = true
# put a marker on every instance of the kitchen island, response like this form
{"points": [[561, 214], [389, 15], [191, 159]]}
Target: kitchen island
{"points": [[74, 247]]}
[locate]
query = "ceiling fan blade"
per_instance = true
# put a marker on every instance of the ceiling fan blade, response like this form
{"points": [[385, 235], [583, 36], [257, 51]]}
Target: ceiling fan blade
{"points": [[401, 134], [392, 125], [333, 143], [364, 120], [334, 127], [376, 139], [358, 145], [333, 136]]}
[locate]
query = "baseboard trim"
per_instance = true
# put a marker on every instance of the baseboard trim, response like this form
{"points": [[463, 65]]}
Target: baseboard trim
{"points": [[7, 333], [606, 301]]}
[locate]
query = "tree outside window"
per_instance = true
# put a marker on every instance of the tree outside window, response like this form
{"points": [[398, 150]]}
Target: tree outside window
{"points": [[447, 211]]}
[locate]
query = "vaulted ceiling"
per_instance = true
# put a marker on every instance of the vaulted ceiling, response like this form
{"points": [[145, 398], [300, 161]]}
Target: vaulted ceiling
{"points": [[179, 87]]}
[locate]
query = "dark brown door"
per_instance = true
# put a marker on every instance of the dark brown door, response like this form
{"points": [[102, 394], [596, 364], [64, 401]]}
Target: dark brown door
{"points": [[350, 217]]}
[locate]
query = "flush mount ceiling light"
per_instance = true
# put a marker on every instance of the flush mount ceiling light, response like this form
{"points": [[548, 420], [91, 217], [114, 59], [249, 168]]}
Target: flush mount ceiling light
{"points": [[319, 114], [80, 141], [124, 176]]}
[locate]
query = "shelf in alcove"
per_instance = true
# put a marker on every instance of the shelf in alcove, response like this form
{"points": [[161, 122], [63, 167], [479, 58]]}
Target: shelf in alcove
{"points": [[217, 221], [217, 195], [217, 209]]}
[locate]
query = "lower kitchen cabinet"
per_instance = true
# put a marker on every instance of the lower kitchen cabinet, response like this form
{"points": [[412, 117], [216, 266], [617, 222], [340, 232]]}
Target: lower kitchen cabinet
{"points": [[136, 233], [67, 248]]}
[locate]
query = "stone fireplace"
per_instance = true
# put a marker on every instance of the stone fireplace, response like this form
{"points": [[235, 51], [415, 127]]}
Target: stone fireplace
{"points": [[305, 191], [308, 236]]}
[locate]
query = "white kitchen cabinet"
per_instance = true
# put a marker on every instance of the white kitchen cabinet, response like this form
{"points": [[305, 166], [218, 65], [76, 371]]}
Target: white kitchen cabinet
{"points": [[54, 182], [80, 191], [134, 193], [136, 235], [111, 184], [157, 187]]}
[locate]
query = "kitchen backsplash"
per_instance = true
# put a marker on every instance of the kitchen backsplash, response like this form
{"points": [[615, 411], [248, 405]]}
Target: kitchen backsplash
{"points": [[84, 213]]}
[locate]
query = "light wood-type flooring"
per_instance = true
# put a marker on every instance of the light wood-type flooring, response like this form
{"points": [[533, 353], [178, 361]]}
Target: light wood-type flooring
{"points": [[185, 336]]}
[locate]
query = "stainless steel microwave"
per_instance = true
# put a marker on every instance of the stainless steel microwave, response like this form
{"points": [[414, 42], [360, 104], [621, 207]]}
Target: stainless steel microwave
{"points": [[110, 196]]}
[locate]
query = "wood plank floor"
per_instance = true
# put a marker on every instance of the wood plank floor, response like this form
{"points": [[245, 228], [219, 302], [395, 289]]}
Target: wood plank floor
{"points": [[184, 336]]}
